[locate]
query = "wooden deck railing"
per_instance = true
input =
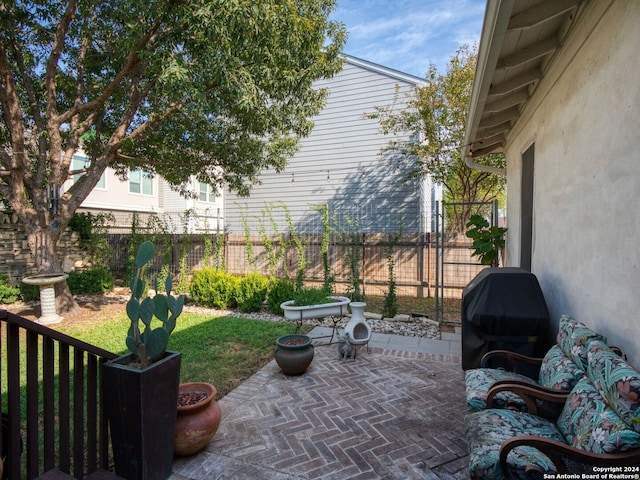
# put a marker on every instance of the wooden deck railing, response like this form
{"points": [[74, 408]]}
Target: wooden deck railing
{"points": [[54, 417]]}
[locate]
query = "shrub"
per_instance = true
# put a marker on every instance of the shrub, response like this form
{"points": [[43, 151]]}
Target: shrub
{"points": [[93, 280], [280, 290], [311, 296], [8, 294], [252, 291], [29, 293], [212, 287]]}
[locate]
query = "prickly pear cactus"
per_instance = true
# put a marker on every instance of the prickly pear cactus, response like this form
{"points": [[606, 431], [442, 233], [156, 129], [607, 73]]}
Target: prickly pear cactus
{"points": [[149, 341]]}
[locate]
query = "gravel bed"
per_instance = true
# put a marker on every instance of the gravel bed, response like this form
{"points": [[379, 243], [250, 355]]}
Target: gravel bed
{"points": [[402, 324], [407, 325]]}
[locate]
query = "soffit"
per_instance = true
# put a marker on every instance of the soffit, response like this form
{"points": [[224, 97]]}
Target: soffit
{"points": [[520, 40]]}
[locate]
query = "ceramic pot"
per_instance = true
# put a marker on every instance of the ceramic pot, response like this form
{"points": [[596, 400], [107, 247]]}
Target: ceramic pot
{"points": [[294, 353], [197, 423]]}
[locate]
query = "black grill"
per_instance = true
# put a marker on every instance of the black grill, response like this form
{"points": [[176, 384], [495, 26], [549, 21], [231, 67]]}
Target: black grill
{"points": [[503, 309]]}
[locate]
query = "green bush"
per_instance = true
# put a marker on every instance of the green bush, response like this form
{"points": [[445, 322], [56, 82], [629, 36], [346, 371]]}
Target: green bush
{"points": [[8, 294], [311, 296], [280, 290], [214, 288], [93, 280], [252, 292], [29, 293]]}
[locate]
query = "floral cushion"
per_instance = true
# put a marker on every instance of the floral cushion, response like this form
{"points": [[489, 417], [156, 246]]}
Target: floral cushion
{"points": [[588, 423], [574, 338], [619, 384], [557, 371], [488, 429], [479, 380]]}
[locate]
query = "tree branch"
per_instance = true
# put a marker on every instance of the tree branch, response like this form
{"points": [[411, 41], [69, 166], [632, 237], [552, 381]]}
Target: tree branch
{"points": [[131, 63]]}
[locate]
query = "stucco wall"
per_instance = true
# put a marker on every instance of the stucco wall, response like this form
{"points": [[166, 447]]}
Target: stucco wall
{"points": [[585, 122]]}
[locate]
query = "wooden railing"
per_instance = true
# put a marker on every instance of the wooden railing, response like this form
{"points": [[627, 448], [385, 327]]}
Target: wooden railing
{"points": [[54, 418]]}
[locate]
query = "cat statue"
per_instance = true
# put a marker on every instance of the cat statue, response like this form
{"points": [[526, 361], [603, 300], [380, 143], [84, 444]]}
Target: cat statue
{"points": [[345, 349]]}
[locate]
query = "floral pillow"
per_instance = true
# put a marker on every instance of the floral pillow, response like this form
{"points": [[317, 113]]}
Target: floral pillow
{"points": [[588, 423], [574, 338], [558, 371], [619, 384]]}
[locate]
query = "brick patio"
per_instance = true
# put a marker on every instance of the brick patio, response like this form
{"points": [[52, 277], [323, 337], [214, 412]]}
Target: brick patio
{"points": [[390, 414]]}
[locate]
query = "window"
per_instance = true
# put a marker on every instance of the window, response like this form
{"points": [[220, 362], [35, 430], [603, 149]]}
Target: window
{"points": [[78, 163], [140, 182], [207, 193]]}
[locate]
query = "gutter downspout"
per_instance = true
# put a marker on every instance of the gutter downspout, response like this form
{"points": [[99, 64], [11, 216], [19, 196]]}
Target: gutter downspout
{"points": [[468, 160], [496, 19]]}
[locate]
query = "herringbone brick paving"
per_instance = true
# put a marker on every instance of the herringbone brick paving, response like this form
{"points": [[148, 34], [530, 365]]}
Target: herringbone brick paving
{"points": [[385, 415]]}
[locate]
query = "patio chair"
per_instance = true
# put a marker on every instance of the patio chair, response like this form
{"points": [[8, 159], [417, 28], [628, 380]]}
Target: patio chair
{"points": [[558, 371]]}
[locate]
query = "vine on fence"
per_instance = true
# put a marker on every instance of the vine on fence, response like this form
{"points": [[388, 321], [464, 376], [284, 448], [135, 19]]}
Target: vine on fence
{"points": [[273, 255], [351, 232], [183, 261], [92, 235], [251, 259], [299, 247], [207, 250], [390, 305], [328, 277]]}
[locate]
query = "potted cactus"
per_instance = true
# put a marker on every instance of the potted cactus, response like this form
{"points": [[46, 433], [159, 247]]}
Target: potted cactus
{"points": [[141, 388]]}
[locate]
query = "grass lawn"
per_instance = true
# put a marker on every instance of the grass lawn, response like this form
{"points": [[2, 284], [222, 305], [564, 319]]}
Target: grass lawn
{"points": [[223, 351]]}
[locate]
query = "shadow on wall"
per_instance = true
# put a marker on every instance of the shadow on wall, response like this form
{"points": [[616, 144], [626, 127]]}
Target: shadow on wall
{"points": [[379, 197]]}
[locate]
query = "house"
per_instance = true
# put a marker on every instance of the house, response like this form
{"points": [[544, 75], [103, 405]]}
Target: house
{"points": [[143, 194], [556, 90], [341, 165]]}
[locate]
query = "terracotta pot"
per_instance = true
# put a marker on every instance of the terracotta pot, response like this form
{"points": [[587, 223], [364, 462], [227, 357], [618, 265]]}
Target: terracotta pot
{"points": [[294, 354], [196, 424]]}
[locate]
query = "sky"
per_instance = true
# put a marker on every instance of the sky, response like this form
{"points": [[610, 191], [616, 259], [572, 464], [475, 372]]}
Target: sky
{"points": [[409, 35]]}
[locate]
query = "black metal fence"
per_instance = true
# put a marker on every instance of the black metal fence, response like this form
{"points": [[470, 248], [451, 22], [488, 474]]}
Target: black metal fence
{"points": [[370, 255]]}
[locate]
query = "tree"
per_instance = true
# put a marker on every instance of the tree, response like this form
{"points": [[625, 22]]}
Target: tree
{"points": [[436, 116], [207, 88]]}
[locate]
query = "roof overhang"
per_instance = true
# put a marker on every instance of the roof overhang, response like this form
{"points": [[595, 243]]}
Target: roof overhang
{"points": [[520, 39]]}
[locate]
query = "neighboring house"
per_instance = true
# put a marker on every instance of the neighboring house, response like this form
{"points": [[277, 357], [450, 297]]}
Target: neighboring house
{"points": [[557, 90], [340, 165], [144, 194]]}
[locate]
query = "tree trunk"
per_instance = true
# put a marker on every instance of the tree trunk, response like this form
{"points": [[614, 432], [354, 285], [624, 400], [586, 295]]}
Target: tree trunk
{"points": [[44, 248]]}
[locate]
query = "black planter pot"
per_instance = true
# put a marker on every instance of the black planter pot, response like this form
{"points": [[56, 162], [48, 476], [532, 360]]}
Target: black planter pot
{"points": [[294, 354], [141, 409]]}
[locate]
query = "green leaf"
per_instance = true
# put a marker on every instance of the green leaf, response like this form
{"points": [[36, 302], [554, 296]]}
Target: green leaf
{"points": [[168, 284], [177, 310], [156, 342], [161, 307], [146, 311], [139, 287], [133, 309], [170, 325], [145, 254], [131, 340]]}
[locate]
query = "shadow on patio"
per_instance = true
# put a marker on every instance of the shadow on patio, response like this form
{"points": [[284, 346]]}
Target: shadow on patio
{"points": [[390, 414]]}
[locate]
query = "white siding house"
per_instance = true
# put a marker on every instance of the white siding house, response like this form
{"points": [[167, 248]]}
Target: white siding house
{"points": [[340, 164], [557, 91], [143, 194]]}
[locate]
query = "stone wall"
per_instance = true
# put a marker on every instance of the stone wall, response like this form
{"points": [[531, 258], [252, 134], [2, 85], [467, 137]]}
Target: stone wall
{"points": [[16, 260]]}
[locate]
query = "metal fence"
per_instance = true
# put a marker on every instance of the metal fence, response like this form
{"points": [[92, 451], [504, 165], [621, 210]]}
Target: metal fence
{"points": [[413, 257]]}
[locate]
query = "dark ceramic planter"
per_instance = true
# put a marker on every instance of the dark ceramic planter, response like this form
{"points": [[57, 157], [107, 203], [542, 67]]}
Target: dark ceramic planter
{"points": [[141, 409], [294, 354]]}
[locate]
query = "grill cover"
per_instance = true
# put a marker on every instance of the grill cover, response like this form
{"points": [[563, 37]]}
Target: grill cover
{"points": [[502, 308]]}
